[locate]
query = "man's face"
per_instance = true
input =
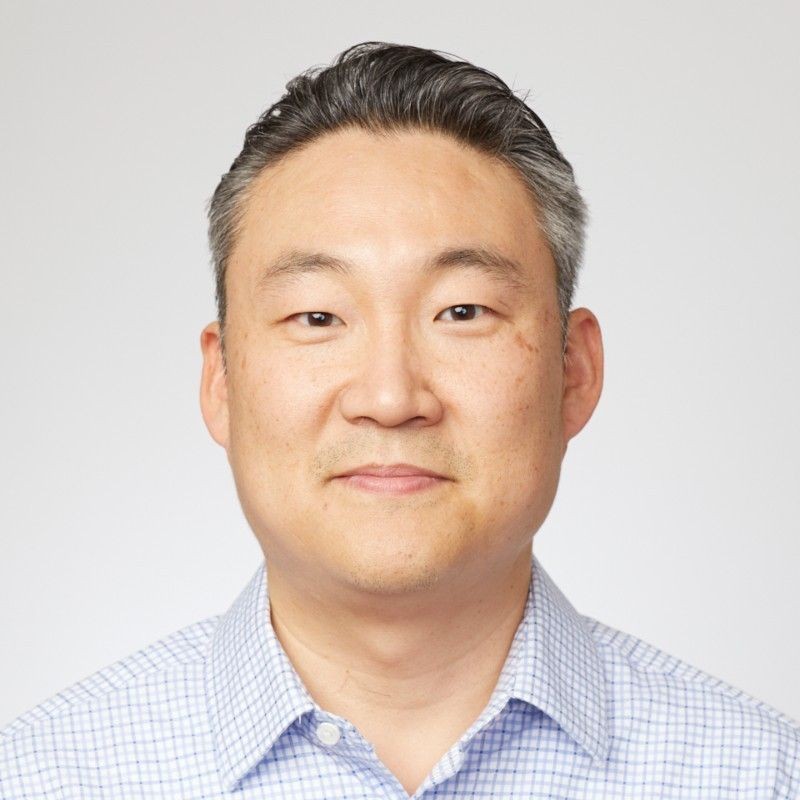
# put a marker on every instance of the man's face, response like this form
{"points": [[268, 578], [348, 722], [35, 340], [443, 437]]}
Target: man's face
{"points": [[397, 365]]}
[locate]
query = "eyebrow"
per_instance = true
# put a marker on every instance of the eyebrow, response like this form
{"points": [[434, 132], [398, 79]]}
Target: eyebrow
{"points": [[497, 266]]}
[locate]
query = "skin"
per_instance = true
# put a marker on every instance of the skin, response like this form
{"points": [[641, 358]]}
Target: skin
{"points": [[396, 611]]}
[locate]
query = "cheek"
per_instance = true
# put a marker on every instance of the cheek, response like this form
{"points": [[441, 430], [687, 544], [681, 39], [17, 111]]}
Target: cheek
{"points": [[537, 380], [521, 429], [269, 406], [527, 393]]}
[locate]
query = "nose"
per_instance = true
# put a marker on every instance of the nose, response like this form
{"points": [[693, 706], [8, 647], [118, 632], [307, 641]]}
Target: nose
{"points": [[390, 385]]}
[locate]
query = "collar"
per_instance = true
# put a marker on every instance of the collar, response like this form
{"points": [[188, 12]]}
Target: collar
{"points": [[254, 693], [558, 668], [252, 690]]}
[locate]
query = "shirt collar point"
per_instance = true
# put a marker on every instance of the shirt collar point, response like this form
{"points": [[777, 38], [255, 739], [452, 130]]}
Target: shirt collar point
{"points": [[560, 670]]}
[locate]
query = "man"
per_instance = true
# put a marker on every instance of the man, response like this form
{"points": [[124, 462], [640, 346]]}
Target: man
{"points": [[395, 375]]}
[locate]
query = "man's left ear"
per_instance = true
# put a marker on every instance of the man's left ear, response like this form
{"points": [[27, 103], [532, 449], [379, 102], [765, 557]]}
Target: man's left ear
{"points": [[583, 372], [214, 385]]}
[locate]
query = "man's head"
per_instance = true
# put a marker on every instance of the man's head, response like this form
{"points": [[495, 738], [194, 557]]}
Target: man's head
{"points": [[396, 250]]}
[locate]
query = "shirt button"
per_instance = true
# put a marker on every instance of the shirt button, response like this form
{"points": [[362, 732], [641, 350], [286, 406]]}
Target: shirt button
{"points": [[328, 733]]}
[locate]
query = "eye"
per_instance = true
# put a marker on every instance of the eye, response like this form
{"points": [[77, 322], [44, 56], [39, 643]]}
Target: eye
{"points": [[464, 312], [318, 318]]}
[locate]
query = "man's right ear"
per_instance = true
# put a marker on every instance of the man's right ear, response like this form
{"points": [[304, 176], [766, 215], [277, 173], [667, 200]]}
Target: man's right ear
{"points": [[214, 386]]}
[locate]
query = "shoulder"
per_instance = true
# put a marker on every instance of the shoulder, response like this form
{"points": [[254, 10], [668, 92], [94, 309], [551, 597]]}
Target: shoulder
{"points": [[149, 670], [102, 731], [656, 695], [641, 665]]}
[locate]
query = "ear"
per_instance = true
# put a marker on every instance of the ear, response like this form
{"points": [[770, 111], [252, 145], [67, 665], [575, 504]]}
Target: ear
{"points": [[583, 372], [213, 385]]}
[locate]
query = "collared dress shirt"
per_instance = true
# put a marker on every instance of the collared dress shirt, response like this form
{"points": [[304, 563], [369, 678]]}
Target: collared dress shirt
{"points": [[216, 710]]}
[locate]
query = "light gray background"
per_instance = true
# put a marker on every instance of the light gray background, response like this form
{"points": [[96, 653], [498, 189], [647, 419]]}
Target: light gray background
{"points": [[677, 514]]}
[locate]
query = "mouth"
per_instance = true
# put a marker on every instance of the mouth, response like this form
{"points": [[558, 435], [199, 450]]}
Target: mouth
{"points": [[394, 479]]}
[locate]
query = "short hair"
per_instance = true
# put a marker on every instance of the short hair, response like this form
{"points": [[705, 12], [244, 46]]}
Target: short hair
{"points": [[383, 88]]}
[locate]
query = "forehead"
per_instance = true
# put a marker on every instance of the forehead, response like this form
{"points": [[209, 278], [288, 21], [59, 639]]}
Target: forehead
{"points": [[392, 198]]}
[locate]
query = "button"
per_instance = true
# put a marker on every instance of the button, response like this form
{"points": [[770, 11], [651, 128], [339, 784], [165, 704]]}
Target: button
{"points": [[328, 733]]}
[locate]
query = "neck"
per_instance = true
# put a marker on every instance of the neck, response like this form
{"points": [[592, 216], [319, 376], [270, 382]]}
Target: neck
{"points": [[403, 661]]}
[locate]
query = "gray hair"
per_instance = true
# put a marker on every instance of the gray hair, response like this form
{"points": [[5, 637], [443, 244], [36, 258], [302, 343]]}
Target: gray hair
{"points": [[382, 88]]}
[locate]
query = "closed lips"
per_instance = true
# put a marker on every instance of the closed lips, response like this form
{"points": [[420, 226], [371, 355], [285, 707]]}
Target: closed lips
{"points": [[390, 471]]}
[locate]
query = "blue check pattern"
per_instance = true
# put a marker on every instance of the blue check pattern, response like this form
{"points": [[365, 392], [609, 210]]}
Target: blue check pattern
{"points": [[216, 710]]}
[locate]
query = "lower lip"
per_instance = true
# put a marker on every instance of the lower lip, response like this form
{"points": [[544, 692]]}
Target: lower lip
{"points": [[405, 484]]}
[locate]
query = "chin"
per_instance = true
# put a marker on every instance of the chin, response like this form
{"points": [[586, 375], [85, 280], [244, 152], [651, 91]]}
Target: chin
{"points": [[399, 564], [393, 580]]}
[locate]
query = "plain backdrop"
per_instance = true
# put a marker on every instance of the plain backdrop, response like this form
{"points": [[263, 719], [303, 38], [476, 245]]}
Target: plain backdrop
{"points": [[676, 518]]}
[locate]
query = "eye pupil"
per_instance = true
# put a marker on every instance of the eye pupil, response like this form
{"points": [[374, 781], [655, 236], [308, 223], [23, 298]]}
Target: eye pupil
{"points": [[468, 311], [316, 315]]}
